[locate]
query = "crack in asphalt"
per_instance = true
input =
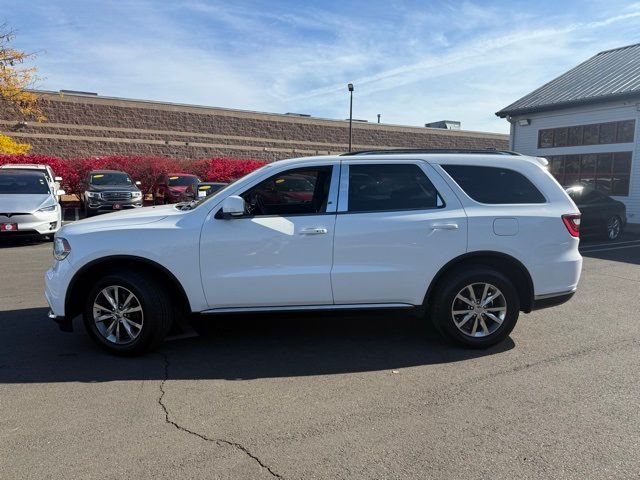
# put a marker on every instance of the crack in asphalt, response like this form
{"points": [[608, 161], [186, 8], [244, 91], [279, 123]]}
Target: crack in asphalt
{"points": [[221, 442]]}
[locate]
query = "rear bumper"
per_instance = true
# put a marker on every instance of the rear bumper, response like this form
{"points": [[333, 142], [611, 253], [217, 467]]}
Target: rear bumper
{"points": [[552, 300]]}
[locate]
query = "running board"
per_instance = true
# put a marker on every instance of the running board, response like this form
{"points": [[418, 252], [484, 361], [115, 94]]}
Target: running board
{"points": [[303, 308]]}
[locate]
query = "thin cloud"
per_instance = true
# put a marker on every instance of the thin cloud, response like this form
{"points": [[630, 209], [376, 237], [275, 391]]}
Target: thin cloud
{"points": [[411, 61]]}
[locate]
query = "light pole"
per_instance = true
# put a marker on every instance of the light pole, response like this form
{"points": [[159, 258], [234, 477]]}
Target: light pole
{"points": [[350, 86]]}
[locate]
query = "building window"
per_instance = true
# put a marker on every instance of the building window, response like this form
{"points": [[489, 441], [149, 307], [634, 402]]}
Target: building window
{"points": [[595, 134], [608, 172]]}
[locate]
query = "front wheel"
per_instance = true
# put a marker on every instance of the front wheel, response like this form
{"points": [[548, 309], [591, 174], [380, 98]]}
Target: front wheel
{"points": [[475, 307], [614, 228], [127, 313]]}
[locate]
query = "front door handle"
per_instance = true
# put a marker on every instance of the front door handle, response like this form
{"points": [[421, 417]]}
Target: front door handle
{"points": [[313, 231], [444, 226]]}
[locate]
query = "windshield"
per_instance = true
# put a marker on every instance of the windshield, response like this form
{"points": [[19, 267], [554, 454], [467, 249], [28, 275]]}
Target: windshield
{"points": [[182, 181], [111, 178], [23, 184], [29, 169]]}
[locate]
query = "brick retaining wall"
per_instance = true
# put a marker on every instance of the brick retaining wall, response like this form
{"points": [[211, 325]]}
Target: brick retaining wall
{"points": [[79, 125]]}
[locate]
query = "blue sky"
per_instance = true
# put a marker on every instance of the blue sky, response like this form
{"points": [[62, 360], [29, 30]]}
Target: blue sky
{"points": [[411, 61]]}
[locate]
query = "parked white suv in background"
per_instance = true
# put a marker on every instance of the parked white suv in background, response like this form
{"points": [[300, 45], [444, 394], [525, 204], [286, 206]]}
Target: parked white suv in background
{"points": [[469, 239], [52, 180]]}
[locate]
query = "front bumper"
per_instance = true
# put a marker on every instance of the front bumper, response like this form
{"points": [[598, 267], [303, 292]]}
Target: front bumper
{"points": [[56, 284], [100, 205], [33, 223], [64, 324]]}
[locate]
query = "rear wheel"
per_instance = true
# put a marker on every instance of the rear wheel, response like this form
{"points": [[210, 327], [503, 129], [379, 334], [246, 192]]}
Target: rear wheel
{"points": [[475, 306], [614, 228], [127, 313]]}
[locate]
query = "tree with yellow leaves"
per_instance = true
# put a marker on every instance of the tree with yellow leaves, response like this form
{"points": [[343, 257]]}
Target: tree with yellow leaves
{"points": [[15, 79], [9, 146]]}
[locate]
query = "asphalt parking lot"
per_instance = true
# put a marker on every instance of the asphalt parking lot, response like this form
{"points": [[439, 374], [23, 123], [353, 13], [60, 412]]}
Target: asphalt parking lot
{"points": [[339, 397]]}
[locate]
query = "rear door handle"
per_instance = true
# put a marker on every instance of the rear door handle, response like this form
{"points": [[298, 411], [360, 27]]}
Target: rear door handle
{"points": [[444, 226], [313, 231]]}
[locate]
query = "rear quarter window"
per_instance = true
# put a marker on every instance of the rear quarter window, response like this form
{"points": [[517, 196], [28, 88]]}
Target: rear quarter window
{"points": [[494, 185]]}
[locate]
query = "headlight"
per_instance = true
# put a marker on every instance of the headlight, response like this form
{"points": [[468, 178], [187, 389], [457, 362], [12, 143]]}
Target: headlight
{"points": [[93, 194], [136, 195], [61, 248], [50, 208]]}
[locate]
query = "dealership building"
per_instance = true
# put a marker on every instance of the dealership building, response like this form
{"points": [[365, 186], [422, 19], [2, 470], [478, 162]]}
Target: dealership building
{"points": [[585, 122], [81, 124]]}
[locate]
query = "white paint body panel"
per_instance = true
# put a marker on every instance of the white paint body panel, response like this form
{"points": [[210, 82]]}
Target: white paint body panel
{"points": [[363, 258], [267, 261], [382, 257]]}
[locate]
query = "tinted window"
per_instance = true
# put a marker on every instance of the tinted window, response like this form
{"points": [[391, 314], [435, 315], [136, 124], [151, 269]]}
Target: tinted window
{"points": [[23, 184], [181, 181], [110, 178], [585, 195], [597, 133], [494, 185], [390, 187], [299, 191]]}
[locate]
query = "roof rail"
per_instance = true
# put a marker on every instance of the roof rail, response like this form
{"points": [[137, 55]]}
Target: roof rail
{"points": [[400, 151]]}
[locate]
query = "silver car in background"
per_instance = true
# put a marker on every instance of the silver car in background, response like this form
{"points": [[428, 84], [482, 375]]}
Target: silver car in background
{"points": [[28, 204]]}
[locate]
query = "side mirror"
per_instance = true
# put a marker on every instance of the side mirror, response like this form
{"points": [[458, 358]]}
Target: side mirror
{"points": [[233, 206], [60, 192], [57, 179], [138, 182]]}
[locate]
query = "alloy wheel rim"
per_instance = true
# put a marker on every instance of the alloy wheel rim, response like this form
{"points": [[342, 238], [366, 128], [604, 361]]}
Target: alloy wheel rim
{"points": [[613, 228], [479, 309], [118, 315]]}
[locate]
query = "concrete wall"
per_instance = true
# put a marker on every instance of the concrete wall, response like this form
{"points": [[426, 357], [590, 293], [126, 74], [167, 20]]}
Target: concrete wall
{"points": [[524, 139], [79, 125]]}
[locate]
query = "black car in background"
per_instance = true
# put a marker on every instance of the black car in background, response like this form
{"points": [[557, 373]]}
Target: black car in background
{"points": [[601, 214], [109, 190]]}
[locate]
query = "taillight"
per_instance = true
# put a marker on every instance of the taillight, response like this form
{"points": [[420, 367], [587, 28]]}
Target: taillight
{"points": [[572, 222]]}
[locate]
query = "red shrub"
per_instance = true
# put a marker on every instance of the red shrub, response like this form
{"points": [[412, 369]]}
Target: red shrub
{"points": [[147, 170]]}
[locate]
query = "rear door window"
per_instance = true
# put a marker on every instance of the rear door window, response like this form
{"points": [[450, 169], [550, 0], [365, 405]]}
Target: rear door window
{"points": [[494, 185], [384, 187]]}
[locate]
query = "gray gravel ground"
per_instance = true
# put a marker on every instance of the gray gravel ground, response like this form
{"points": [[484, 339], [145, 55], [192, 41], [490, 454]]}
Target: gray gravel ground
{"points": [[318, 397]]}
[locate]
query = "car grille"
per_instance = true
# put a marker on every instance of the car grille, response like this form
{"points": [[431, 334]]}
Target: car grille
{"points": [[116, 196], [12, 214]]}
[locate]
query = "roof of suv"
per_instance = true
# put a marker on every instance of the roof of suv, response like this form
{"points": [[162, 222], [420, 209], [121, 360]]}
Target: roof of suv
{"points": [[476, 157], [23, 172], [30, 166]]}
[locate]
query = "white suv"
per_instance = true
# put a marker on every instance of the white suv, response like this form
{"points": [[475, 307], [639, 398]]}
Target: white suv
{"points": [[468, 239], [52, 180]]}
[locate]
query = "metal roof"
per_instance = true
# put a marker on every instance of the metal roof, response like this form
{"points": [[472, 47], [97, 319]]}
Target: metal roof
{"points": [[609, 75]]}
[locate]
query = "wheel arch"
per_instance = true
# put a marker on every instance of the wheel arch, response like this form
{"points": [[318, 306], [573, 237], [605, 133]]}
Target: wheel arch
{"points": [[506, 264], [82, 282]]}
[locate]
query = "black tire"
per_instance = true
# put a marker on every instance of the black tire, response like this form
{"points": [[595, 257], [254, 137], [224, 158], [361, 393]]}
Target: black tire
{"points": [[156, 307], [444, 295], [90, 212], [608, 234]]}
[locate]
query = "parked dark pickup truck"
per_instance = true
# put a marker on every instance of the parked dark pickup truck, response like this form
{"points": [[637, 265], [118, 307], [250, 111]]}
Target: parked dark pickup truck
{"points": [[109, 190]]}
